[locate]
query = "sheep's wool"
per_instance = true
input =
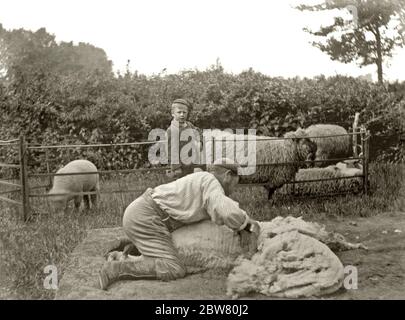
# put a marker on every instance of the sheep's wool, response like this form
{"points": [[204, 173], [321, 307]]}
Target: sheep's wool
{"points": [[294, 259], [289, 265]]}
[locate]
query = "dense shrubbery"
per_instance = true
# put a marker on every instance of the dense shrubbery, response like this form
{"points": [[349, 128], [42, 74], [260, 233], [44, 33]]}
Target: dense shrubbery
{"points": [[84, 103], [97, 108]]}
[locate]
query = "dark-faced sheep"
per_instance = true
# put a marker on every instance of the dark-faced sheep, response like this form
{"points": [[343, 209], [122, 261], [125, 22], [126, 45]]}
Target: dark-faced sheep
{"points": [[283, 153], [64, 184]]}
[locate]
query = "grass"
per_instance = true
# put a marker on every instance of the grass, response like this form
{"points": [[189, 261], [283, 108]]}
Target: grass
{"points": [[26, 248]]}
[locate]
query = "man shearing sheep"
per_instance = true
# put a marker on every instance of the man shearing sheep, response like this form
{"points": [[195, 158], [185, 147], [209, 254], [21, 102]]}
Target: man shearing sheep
{"points": [[149, 220]]}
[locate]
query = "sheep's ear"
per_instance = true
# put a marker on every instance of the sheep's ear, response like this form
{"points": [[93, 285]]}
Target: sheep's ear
{"points": [[300, 133], [313, 145]]}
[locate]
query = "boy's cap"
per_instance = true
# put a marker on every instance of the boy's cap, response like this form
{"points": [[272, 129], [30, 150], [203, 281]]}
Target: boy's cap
{"points": [[227, 164], [183, 102]]}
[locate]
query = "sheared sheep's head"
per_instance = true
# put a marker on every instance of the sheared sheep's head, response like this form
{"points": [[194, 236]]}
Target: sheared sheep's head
{"points": [[56, 202]]}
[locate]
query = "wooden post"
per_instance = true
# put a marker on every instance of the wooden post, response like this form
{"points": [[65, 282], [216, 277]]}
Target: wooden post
{"points": [[23, 154], [366, 160], [355, 125], [47, 168], [363, 156]]}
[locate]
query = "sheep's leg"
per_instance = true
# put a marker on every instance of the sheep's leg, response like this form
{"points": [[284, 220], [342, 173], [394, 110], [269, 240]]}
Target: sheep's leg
{"points": [[270, 192], [86, 199], [94, 199], [78, 201]]}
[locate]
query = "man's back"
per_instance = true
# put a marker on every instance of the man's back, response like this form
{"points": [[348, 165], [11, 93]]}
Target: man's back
{"points": [[183, 199], [197, 197]]}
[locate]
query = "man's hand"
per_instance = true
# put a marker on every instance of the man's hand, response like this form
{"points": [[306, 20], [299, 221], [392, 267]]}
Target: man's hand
{"points": [[248, 237], [114, 256], [254, 227]]}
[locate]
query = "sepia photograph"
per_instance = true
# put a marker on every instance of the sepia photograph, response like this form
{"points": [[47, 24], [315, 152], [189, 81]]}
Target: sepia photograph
{"points": [[225, 152]]}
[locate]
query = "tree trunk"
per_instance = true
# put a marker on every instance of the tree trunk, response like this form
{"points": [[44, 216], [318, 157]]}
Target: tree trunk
{"points": [[379, 56]]}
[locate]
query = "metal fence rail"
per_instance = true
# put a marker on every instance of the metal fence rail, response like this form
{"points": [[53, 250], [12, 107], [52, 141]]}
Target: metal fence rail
{"points": [[304, 181], [10, 165], [61, 146], [13, 142], [100, 172], [11, 201]]}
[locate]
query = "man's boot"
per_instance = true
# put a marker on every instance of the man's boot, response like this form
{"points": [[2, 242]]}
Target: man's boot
{"points": [[141, 268]]}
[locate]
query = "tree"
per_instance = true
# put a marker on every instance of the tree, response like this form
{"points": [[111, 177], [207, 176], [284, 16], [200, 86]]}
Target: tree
{"points": [[376, 29], [24, 52], [39, 74]]}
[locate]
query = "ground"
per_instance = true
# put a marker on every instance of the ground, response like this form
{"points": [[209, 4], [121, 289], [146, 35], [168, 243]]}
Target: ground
{"points": [[381, 269]]}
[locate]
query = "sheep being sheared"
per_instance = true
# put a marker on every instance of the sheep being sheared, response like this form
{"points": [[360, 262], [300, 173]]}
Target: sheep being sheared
{"points": [[74, 184], [283, 154], [289, 258]]}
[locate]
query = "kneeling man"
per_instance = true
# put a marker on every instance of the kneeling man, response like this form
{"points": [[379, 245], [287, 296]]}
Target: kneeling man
{"points": [[149, 220]]}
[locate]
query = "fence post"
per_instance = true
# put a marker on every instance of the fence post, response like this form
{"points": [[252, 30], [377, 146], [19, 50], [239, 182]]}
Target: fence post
{"points": [[366, 159], [23, 153], [47, 168], [355, 124]]}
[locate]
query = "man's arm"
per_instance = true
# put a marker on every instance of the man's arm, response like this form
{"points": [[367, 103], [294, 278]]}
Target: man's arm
{"points": [[222, 209]]}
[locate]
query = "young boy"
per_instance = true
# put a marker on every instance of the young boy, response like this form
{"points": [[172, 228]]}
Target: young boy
{"points": [[180, 111]]}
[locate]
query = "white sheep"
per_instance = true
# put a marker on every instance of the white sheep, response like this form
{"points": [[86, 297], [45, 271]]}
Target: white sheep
{"points": [[341, 169], [75, 184], [330, 147]]}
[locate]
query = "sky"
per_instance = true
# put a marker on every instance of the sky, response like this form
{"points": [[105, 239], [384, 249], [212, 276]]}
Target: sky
{"points": [[265, 35]]}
